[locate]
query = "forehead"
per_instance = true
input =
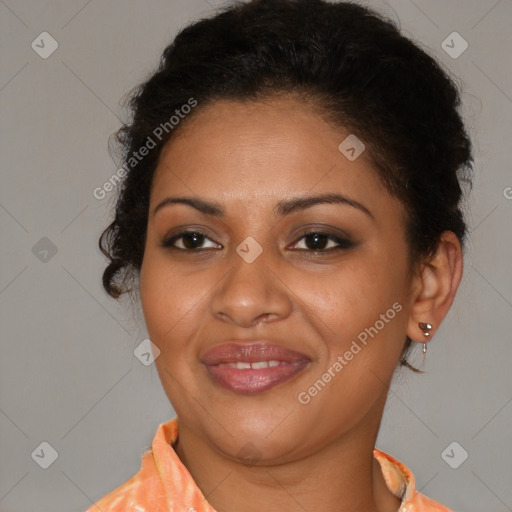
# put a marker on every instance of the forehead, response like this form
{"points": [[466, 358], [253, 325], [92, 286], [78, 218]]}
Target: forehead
{"points": [[261, 151]]}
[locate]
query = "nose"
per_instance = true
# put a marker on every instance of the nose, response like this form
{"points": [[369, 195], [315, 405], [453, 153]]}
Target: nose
{"points": [[252, 292]]}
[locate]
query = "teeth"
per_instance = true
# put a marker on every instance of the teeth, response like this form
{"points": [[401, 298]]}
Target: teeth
{"points": [[242, 365], [259, 364]]}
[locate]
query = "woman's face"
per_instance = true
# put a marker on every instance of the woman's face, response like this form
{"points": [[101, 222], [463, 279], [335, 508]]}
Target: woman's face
{"points": [[269, 333]]}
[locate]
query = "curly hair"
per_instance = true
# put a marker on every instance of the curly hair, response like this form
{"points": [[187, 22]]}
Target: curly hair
{"points": [[344, 59]]}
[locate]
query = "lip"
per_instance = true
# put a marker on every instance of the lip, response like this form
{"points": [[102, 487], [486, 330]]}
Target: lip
{"points": [[221, 360]]}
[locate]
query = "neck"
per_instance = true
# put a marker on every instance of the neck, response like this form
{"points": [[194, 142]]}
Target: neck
{"points": [[341, 476]]}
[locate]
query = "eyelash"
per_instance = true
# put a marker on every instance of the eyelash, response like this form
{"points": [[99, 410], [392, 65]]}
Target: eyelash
{"points": [[343, 243]]}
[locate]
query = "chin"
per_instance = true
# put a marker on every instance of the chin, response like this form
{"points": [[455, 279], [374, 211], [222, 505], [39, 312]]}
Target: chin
{"points": [[261, 439]]}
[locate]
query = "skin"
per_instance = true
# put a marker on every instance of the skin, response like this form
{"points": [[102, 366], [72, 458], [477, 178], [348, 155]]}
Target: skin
{"points": [[246, 157]]}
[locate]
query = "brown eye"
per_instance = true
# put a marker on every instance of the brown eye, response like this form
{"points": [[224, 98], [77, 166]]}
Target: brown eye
{"points": [[323, 242], [316, 241], [188, 240]]}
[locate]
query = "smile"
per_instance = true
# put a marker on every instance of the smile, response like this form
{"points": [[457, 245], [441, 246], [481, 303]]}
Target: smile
{"points": [[249, 368]]}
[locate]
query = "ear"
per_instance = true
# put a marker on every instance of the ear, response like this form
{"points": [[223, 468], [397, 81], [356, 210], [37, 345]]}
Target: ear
{"points": [[435, 286]]}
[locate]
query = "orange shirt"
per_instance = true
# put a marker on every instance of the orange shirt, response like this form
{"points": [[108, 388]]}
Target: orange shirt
{"points": [[163, 483]]}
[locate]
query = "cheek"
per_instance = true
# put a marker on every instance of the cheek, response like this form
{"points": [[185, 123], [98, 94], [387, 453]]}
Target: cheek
{"points": [[172, 301], [361, 308], [159, 297], [352, 296]]}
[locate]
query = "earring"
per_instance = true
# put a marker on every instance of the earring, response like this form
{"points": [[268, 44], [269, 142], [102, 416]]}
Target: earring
{"points": [[426, 328]]}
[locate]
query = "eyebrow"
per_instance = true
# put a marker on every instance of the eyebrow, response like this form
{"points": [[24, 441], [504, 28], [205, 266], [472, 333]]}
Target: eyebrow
{"points": [[282, 208]]}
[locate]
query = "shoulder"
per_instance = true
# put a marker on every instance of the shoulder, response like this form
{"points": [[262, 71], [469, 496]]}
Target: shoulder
{"points": [[150, 488], [421, 503], [142, 492]]}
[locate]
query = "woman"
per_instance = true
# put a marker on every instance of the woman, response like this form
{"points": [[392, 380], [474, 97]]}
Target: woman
{"points": [[291, 219]]}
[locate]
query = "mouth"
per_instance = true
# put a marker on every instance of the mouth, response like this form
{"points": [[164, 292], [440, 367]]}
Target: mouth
{"points": [[252, 367]]}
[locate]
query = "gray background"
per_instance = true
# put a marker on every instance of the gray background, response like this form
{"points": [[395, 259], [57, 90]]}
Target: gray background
{"points": [[68, 372]]}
